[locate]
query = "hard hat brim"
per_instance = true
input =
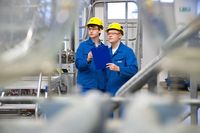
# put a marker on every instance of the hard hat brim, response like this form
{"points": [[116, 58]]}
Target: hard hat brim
{"points": [[121, 31]]}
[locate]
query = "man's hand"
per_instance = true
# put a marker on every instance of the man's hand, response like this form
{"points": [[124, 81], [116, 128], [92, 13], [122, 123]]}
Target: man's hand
{"points": [[113, 67], [89, 57]]}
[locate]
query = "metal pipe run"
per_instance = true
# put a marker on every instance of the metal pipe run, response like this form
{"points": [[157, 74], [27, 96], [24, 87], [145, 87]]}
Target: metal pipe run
{"points": [[175, 40]]}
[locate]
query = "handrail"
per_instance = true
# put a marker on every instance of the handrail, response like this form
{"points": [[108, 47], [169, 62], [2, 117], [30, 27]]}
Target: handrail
{"points": [[141, 78], [153, 68]]}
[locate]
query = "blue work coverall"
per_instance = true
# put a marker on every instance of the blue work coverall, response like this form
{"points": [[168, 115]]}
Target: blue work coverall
{"points": [[125, 58], [88, 76]]}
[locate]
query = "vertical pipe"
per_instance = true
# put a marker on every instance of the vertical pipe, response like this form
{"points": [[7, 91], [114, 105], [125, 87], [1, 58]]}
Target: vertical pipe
{"points": [[126, 23], [138, 46], [105, 17], [193, 95], [72, 38]]}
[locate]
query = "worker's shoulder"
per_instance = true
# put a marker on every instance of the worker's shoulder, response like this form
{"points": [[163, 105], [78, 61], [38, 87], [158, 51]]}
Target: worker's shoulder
{"points": [[86, 42], [126, 48], [83, 43]]}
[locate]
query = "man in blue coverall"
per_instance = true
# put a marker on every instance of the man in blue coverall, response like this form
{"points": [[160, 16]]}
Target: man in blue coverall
{"points": [[89, 77], [124, 62]]}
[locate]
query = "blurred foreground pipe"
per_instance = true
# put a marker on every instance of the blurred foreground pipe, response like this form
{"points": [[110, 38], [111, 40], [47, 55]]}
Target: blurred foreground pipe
{"points": [[153, 68]]}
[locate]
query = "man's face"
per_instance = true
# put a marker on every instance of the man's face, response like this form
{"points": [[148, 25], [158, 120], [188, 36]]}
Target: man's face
{"points": [[113, 36], [94, 31]]}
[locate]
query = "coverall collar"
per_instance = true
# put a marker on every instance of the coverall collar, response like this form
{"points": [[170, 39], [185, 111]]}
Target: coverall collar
{"points": [[119, 49], [92, 43]]}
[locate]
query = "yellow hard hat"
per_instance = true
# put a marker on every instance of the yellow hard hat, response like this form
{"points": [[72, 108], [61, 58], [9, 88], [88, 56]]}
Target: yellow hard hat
{"points": [[95, 21], [115, 26]]}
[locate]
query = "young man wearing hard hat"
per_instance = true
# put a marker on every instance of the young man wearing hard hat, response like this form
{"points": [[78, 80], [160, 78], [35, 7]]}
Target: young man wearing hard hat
{"points": [[88, 77], [124, 62]]}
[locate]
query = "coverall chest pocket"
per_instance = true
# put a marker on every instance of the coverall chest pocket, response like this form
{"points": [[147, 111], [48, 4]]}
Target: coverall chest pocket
{"points": [[120, 61]]}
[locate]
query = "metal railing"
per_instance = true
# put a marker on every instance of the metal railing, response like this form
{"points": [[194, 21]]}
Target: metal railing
{"points": [[13, 103]]}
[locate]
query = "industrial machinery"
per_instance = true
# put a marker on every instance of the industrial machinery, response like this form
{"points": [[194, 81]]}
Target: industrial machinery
{"points": [[41, 38], [31, 32]]}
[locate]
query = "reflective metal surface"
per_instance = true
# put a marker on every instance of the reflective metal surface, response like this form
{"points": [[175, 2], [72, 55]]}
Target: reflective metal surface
{"points": [[31, 32]]}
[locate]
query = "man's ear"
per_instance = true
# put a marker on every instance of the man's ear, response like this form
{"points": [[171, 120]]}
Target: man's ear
{"points": [[120, 36]]}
